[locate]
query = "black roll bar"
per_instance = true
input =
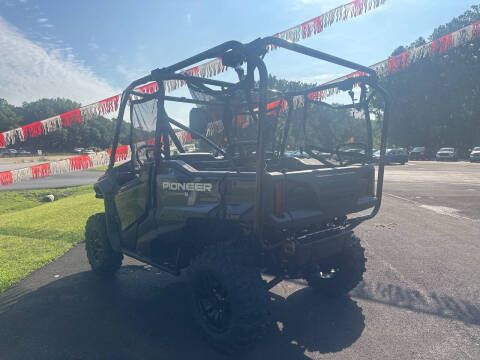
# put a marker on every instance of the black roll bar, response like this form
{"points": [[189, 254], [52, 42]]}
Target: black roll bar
{"points": [[216, 51], [121, 112], [234, 53], [381, 163], [272, 40], [257, 63]]}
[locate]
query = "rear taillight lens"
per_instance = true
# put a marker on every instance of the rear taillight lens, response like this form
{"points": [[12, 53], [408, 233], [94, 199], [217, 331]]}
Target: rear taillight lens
{"points": [[278, 206]]}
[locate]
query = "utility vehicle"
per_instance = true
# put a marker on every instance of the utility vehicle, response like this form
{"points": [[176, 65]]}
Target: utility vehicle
{"points": [[240, 209]]}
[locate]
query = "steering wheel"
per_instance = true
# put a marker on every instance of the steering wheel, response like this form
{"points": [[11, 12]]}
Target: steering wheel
{"points": [[149, 152], [240, 145], [351, 157]]}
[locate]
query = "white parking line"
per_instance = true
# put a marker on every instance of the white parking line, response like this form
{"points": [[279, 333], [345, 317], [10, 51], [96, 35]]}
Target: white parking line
{"points": [[442, 210]]}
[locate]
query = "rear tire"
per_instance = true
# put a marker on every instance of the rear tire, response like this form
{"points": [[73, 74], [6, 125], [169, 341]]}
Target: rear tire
{"points": [[349, 268], [228, 298], [102, 258]]}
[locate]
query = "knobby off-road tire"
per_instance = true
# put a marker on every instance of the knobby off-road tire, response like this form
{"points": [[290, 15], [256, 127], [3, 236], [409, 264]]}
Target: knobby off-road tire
{"points": [[349, 267], [102, 258], [228, 299]]}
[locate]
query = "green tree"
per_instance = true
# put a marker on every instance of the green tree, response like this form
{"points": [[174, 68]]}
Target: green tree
{"points": [[9, 117], [468, 17], [435, 101], [97, 132], [324, 127]]}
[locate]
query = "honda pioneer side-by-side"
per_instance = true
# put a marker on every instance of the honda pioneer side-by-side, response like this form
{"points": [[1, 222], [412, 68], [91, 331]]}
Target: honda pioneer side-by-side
{"points": [[263, 187]]}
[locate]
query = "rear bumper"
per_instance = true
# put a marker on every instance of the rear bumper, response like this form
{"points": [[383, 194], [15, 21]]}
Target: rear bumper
{"points": [[313, 248], [446, 158], [296, 221]]}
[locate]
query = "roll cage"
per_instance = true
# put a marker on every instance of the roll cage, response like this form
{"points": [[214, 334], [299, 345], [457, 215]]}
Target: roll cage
{"points": [[235, 55]]}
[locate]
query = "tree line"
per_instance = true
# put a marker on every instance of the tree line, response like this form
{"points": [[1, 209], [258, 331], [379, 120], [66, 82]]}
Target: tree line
{"points": [[436, 101], [96, 133]]}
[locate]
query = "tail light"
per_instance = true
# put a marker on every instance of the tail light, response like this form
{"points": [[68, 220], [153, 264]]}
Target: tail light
{"points": [[278, 205]]}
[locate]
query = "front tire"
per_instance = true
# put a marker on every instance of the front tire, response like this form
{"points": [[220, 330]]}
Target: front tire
{"points": [[102, 258], [349, 267], [228, 299]]}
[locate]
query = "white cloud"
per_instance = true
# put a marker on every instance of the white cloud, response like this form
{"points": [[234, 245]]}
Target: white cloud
{"points": [[42, 20], [28, 72]]}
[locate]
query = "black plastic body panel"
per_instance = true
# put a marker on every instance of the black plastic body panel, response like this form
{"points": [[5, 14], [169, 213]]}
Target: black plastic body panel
{"points": [[189, 206]]}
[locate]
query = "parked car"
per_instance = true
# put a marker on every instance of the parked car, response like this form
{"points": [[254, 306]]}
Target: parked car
{"points": [[475, 154], [78, 150], [296, 153], [393, 156], [419, 153], [10, 152], [447, 154], [88, 151], [23, 152]]}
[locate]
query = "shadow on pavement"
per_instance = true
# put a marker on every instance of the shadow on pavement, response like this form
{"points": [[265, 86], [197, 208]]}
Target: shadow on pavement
{"points": [[434, 304], [143, 314], [444, 306]]}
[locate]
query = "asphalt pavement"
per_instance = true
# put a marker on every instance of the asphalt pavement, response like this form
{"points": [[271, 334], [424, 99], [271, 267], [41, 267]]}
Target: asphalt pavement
{"points": [[420, 298], [77, 178]]}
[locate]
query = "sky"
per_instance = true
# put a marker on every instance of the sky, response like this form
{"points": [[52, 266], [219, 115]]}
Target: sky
{"points": [[88, 50]]}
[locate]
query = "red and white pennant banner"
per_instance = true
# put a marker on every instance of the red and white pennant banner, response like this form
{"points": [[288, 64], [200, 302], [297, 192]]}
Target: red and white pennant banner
{"points": [[391, 65], [208, 69], [396, 63], [75, 163], [383, 68], [317, 24], [64, 166], [67, 119], [80, 162]]}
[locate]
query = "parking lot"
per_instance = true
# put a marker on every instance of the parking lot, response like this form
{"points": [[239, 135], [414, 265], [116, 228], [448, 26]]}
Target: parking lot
{"points": [[453, 185], [420, 298]]}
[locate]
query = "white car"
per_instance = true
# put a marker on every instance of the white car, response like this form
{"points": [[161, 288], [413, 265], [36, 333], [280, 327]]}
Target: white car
{"points": [[475, 154], [447, 154]]}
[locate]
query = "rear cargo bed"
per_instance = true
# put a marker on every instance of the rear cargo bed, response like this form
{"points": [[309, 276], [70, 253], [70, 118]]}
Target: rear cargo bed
{"points": [[320, 194]]}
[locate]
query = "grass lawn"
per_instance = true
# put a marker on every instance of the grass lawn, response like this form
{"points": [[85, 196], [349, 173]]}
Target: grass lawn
{"points": [[33, 233], [102, 168]]}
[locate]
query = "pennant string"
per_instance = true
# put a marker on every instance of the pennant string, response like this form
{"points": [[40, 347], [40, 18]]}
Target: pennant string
{"points": [[208, 69]]}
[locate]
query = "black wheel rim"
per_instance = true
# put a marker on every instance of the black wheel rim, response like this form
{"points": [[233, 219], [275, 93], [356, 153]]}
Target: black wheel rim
{"points": [[213, 302]]}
